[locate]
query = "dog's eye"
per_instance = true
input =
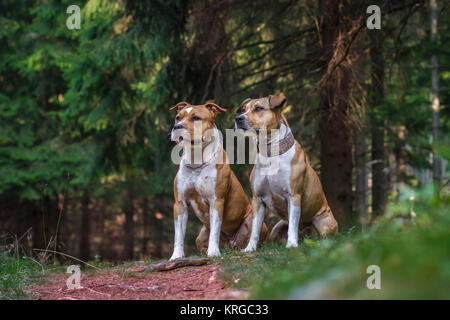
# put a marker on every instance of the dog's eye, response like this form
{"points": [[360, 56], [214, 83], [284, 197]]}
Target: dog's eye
{"points": [[259, 108], [195, 118], [177, 118]]}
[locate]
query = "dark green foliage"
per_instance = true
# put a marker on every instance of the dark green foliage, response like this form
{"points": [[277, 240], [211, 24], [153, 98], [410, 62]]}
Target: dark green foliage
{"points": [[35, 158]]}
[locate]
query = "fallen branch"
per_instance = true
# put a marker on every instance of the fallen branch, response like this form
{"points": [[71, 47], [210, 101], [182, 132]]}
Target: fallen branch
{"points": [[177, 263]]}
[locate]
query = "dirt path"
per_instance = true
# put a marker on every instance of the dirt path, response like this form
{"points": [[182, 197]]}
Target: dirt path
{"points": [[185, 283]]}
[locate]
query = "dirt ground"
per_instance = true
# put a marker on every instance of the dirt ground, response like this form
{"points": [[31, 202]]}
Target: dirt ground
{"points": [[185, 283]]}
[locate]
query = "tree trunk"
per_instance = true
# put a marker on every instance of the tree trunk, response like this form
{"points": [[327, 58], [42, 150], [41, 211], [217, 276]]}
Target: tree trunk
{"points": [[379, 176], [63, 232], [101, 229], [157, 230], [435, 105], [400, 154], [335, 127], [206, 57], [38, 234], [46, 221], [129, 224], [85, 246], [145, 225], [361, 176]]}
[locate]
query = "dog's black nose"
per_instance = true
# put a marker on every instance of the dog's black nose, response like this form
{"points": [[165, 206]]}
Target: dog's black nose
{"points": [[178, 126], [240, 118]]}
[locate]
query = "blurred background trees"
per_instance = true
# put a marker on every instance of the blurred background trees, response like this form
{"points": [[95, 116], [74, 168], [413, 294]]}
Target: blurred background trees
{"points": [[84, 150]]}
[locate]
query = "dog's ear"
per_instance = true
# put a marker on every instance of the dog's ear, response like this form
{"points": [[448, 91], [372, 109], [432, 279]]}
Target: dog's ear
{"points": [[214, 108], [241, 107], [179, 106], [277, 101]]}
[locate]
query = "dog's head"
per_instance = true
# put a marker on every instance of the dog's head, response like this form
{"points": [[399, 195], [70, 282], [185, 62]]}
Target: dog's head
{"points": [[260, 114], [194, 124]]}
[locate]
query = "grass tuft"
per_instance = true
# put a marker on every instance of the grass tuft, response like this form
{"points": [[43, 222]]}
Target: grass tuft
{"points": [[15, 275]]}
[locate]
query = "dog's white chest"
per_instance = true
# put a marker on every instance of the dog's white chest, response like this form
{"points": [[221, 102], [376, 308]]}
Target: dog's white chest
{"points": [[271, 179], [202, 180]]}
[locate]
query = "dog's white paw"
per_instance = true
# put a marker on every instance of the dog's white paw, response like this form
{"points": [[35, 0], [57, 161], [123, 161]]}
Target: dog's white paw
{"points": [[176, 255], [213, 252], [249, 248], [291, 244]]}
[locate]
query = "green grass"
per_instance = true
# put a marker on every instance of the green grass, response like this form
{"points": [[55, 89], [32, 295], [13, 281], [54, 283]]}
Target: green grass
{"points": [[414, 259], [15, 275]]}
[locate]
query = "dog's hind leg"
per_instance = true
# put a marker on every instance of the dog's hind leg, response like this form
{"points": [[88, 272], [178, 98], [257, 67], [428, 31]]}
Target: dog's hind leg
{"points": [[325, 224], [242, 235], [263, 234], [202, 240], [279, 232]]}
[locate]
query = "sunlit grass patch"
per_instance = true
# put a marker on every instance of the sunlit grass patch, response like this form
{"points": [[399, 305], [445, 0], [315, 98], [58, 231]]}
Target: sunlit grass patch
{"points": [[414, 260]]}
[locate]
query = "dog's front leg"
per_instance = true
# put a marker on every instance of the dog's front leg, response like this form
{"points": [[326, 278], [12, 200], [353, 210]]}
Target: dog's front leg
{"points": [[258, 211], [180, 214], [294, 220], [215, 223]]}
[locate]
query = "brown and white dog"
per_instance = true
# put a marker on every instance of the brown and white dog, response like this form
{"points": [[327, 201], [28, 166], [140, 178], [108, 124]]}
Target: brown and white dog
{"points": [[294, 190], [207, 184]]}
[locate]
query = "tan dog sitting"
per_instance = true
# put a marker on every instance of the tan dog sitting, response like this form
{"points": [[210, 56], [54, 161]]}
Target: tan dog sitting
{"points": [[206, 183], [292, 188]]}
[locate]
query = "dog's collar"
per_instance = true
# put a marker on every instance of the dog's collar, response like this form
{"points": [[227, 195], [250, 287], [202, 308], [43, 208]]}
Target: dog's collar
{"points": [[197, 166], [283, 146], [212, 153]]}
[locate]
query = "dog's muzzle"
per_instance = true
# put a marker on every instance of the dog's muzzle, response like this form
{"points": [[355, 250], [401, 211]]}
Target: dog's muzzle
{"points": [[241, 122], [177, 134]]}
